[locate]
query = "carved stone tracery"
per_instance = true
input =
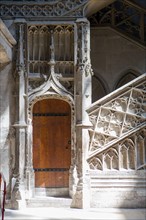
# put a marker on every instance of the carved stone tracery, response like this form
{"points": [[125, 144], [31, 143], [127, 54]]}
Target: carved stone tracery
{"points": [[119, 124], [124, 16], [47, 9], [42, 52], [126, 155]]}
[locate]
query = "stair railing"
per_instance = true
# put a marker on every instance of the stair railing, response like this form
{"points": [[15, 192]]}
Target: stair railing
{"points": [[119, 128]]}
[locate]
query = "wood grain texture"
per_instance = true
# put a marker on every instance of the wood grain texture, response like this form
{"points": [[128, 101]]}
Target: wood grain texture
{"points": [[51, 142]]}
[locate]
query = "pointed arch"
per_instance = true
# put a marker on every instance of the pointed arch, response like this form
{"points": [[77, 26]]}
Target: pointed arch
{"points": [[99, 88], [126, 77]]}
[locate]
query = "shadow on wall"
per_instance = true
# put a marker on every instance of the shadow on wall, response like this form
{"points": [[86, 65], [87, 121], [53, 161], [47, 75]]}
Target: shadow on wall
{"points": [[99, 88], [126, 77], [7, 117]]}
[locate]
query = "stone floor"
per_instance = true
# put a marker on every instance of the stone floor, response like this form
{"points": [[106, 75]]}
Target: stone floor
{"points": [[75, 214]]}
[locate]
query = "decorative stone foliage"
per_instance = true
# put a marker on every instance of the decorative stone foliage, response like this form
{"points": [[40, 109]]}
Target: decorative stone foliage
{"points": [[118, 137]]}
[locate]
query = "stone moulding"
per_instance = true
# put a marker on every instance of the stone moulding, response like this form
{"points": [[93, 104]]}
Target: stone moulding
{"points": [[63, 8], [123, 190], [127, 179]]}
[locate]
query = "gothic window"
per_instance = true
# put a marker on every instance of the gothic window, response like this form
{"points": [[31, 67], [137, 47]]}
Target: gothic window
{"points": [[140, 151], [111, 160], [50, 43], [96, 164], [129, 76], [124, 157], [98, 89], [131, 157]]}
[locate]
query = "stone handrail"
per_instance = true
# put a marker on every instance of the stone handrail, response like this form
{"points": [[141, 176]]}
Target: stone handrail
{"points": [[119, 128]]}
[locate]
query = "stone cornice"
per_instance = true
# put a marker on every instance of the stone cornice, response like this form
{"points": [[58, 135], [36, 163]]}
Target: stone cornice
{"points": [[42, 9]]}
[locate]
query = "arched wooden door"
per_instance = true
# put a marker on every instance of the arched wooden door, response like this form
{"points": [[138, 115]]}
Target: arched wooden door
{"points": [[51, 143]]}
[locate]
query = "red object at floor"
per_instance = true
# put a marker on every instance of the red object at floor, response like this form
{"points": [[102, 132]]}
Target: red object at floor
{"points": [[3, 188]]}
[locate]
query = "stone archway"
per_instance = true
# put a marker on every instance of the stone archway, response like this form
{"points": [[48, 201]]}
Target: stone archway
{"points": [[69, 176]]}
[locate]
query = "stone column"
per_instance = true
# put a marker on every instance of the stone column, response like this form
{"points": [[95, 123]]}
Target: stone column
{"points": [[83, 75], [18, 193], [29, 172]]}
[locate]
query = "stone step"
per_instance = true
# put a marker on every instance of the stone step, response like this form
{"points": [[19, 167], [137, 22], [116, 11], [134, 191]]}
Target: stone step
{"points": [[49, 202]]}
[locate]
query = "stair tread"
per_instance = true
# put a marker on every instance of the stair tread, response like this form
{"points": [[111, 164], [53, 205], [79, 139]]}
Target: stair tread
{"points": [[39, 201], [49, 198]]}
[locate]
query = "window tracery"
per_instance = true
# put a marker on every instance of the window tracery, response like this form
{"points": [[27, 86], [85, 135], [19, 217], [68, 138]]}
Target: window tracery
{"points": [[41, 50]]}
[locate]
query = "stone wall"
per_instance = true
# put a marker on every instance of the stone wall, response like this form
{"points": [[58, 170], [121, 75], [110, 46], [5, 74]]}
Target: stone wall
{"points": [[114, 189], [7, 103], [117, 148], [112, 57], [7, 112]]}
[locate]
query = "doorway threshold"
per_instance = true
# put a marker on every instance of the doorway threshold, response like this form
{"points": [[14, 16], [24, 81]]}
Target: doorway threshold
{"points": [[52, 192]]}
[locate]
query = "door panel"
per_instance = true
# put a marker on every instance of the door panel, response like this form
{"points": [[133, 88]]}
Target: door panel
{"points": [[51, 143]]}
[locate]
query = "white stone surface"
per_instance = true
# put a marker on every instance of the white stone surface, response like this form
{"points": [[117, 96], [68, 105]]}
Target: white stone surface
{"points": [[75, 214], [6, 118]]}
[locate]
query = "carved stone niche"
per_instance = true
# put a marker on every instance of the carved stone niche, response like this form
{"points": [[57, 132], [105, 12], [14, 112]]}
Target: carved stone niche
{"points": [[51, 46]]}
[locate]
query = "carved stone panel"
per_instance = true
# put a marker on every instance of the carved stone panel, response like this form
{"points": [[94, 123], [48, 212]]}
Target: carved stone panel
{"points": [[118, 116], [50, 45], [34, 9], [128, 154]]}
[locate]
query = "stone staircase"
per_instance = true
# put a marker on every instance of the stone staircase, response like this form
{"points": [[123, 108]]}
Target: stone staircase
{"points": [[117, 149], [117, 138], [50, 197], [42, 201]]}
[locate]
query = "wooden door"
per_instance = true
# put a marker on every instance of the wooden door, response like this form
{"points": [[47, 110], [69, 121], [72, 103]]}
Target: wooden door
{"points": [[51, 143]]}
